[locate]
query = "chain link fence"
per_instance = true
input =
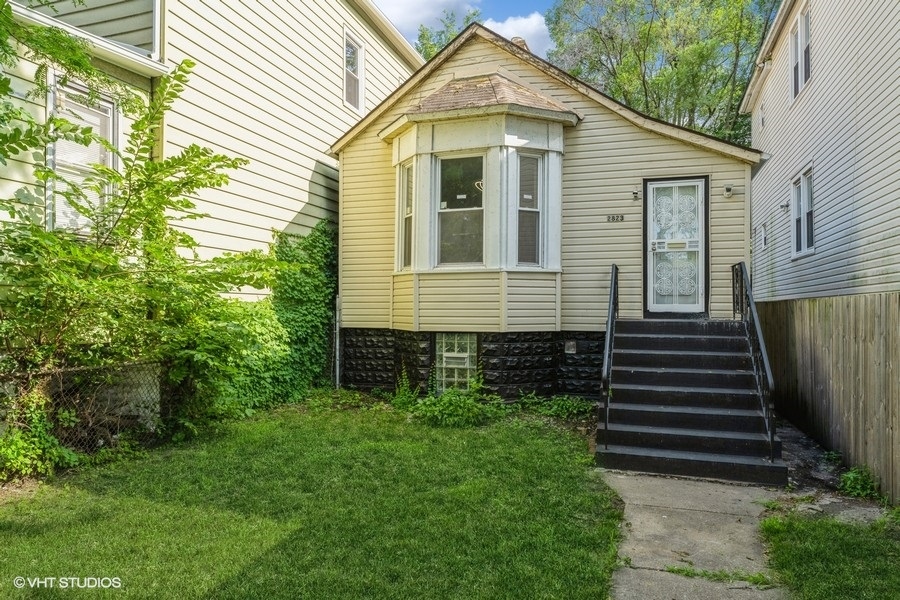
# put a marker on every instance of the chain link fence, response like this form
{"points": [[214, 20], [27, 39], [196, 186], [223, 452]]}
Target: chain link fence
{"points": [[95, 408]]}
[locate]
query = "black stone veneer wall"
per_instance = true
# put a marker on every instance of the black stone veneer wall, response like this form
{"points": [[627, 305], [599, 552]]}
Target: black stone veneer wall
{"points": [[512, 363], [516, 363], [579, 372], [367, 359], [414, 352]]}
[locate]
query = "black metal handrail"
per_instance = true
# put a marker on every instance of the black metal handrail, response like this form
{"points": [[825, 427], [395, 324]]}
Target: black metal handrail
{"points": [[742, 302], [612, 313]]}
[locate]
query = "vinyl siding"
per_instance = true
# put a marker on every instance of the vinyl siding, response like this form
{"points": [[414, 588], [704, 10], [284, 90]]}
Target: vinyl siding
{"points": [[845, 123], [124, 21], [268, 86], [460, 301], [605, 157], [402, 316], [18, 172], [532, 302]]}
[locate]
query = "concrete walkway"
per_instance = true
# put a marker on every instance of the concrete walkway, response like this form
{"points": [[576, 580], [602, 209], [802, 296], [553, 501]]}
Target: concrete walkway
{"points": [[703, 525]]}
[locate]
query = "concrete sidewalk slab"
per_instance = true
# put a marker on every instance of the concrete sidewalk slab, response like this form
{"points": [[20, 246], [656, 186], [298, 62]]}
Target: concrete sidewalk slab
{"points": [[705, 525]]}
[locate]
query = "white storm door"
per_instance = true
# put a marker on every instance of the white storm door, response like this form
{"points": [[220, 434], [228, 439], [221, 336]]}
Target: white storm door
{"points": [[676, 258]]}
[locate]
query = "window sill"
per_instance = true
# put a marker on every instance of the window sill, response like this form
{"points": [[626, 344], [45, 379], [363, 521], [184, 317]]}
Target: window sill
{"points": [[477, 269], [803, 254]]}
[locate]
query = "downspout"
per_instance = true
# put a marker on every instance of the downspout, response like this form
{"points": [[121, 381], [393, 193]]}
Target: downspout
{"points": [[337, 342]]}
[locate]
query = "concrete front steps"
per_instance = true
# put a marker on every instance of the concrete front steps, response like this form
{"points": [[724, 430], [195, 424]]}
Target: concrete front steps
{"points": [[685, 402]]}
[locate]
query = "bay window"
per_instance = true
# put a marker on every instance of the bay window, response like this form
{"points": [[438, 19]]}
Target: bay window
{"points": [[461, 213], [529, 210], [478, 194], [406, 215]]}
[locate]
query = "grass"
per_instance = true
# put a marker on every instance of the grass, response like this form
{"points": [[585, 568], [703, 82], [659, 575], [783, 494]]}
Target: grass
{"points": [[824, 558], [329, 504]]}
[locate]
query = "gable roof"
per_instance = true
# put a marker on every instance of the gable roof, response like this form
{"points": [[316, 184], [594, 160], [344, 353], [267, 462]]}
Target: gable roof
{"points": [[643, 121]]}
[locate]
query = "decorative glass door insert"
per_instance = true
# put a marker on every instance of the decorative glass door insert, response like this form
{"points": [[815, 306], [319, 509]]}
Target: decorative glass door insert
{"points": [[675, 247]]}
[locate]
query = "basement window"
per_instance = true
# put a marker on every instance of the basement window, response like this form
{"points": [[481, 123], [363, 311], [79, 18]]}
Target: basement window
{"points": [[456, 357]]}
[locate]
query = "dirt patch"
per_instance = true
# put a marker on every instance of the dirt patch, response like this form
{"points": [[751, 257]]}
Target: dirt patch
{"points": [[814, 476], [19, 489]]}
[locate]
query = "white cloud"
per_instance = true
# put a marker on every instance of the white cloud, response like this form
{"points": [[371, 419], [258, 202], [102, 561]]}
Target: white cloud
{"points": [[407, 15], [532, 28]]}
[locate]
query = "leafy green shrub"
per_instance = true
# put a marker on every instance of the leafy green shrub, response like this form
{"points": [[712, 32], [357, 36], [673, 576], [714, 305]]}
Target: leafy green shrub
{"points": [[859, 483], [260, 363], [404, 397], [28, 446], [560, 407], [459, 408], [453, 408], [303, 295]]}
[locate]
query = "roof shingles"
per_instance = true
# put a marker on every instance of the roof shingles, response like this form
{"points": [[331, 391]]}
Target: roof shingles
{"points": [[482, 91]]}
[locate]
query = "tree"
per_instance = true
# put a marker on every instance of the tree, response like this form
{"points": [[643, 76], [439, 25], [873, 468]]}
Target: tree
{"points": [[431, 41], [683, 61]]}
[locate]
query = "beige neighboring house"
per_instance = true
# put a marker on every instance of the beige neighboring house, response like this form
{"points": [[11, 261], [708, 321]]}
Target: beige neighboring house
{"points": [[825, 103], [275, 82], [564, 179]]}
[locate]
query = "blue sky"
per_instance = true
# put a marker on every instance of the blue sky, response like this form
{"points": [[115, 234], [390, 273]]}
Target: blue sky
{"points": [[524, 18]]}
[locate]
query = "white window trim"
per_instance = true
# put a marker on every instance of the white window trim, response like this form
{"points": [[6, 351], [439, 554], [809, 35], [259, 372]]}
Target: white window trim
{"points": [[56, 108], [798, 40], [401, 216], [436, 194], [541, 210], [351, 38], [802, 182]]}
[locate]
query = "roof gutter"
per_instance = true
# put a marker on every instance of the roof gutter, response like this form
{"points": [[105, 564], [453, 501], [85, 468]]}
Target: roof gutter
{"points": [[400, 43], [101, 48], [763, 59]]}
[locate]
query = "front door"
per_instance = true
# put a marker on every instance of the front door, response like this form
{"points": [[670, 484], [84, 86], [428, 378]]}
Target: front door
{"points": [[676, 230]]}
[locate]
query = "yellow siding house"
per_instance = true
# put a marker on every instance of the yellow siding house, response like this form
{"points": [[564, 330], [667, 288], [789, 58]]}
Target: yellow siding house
{"points": [[483, 203]]}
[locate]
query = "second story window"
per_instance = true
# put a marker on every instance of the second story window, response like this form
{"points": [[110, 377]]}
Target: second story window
{"points": [[800, 59], [353, 72], [802, 213], [75, 162]]}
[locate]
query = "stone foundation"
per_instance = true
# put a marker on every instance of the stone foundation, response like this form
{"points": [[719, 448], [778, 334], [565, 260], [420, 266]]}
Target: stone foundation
{"points": [[512, 363]]}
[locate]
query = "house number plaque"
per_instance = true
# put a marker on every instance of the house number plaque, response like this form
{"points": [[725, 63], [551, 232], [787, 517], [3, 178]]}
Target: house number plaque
{"points": [[615, 218]]}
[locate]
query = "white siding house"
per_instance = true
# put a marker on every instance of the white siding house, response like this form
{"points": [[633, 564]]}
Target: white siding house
{"points": [[275, 83], [826, 221]]}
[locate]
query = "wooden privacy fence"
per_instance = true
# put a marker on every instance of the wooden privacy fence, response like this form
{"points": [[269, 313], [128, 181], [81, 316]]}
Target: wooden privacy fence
{"points": [[836, 364]]}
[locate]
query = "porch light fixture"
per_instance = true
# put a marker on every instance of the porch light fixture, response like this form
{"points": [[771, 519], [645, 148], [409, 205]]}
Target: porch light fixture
{"points": [[784, 206], [635, 193], [729, 190]]}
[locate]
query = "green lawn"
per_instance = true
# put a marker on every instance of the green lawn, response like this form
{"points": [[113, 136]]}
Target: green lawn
{"points": [[825, 559], [328, 504]]}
